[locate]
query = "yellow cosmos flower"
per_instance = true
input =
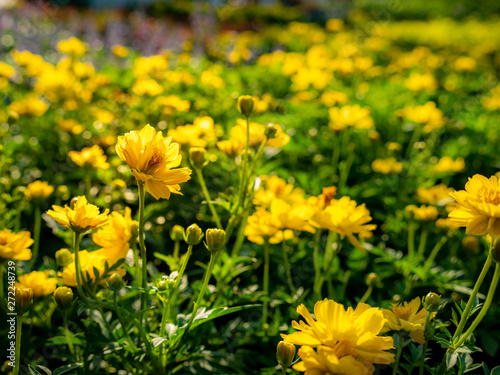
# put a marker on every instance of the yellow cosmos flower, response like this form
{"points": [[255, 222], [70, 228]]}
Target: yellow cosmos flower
{"points": [[355, 331], [6, 71], [423, 213], [38, 190], [39, 282], [421, 82], [427, 115], [258, 134], [407, 318], [81, 217], [15, 245], [448, 165], [292, 217], [344, 217], [439, 194], [70, 126], [72, 46], [262, 225], [386, 166], [114, 237], [89, 157], [478, 206], [119, 50], [348, 115], [31, 106], [274, 187], [151, 157], [328, 361], [199, 134], [232, 147]]}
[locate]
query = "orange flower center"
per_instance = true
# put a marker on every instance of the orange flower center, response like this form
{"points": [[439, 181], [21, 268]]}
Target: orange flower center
{"points": [[489, 195], [157, 158], [402, 312]]}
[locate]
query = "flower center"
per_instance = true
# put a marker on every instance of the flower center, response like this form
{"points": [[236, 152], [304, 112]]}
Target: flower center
{"points": [[157, 158], [489, 195], [402, 312]]}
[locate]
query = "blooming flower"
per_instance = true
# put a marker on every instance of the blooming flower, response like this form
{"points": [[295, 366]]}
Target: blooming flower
{"points": [[438, 194], [423, 213], [292, 216], [30, 106], [89, 157], [355, 331], [81, 217], [15, 245], [407, 318], [448, 165], [72, 46], [349, 115], [274, 187], [39, 282], [262, 225], [38, 190], [386, 166], [152, 159], [478, 206], [344, 217]]}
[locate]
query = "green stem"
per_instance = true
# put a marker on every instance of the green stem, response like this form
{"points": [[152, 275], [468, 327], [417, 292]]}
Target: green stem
{"points": [[204, 189], [424, 349], [470, 303], [317, 270], [366, 295], [287, 265], [335, 158], [414, 138], [266, 284], [347, 167], [144, 284], [240, 236], [411, 238], [122, 323], [484, 309], [423, 241], [78, 271], [208, 273], [36, 235], [68, 336], [243, 180], [147, 344], [19, 327], [137, 266], [399, 351], [88, 184], [177, 246], [434, 253]]}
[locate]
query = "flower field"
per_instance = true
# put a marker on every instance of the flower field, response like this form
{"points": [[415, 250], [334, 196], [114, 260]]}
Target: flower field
{"points": [[213, 193]]}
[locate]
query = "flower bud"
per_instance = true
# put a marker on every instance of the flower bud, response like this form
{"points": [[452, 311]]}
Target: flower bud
{"points": [[162, 285], [245, 105], [23, 298], [285, 354], [495, 250], [115, 282], [134, 229], [177, 233], [197, 156], [432, 302], [371, 279], [63, 257], [271, 131], [12, 118], [193, 235], [215, 239], [64, 297]]}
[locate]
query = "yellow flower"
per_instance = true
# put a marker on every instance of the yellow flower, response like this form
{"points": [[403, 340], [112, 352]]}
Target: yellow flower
{"points": [[292, 217], [119, 50], [274, 188], [38, 190], [151, 157], [262, 225], [348, 115], [6, 71], [478, 206], [199, 134], [114, 237], [344, 217], [72, 46], [173, 103], [70, 126], [386, 166], [407, 318], [448, 165], [258, 134], [147, 87], [424, 213], [465, 64], [30, 106], [439, 194], [355, 331], [81, 217], [232, 147], [39, 282], [89, 157], [421, 82], [427, 115], [15, 245]]}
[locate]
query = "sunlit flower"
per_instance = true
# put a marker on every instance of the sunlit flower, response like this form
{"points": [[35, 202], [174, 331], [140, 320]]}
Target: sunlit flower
{"points": [[421, 82], [274, 187], [38, 190], [6, 71], [262, 225], [292, 216], [148, 87], [39, 282], [447, 165], [407, 317], [427, 115], [80, 217], [344, 217], [30, 106], [423, 213], [15, 245], [232, 147], [478, 206], [199, 134], [328, 361], [438, 194], [387, 166], [465, 64], [89, 157], [258, 134], [355, 331], [152, 159], [349, 115], [119, 50], [72, 46], [70, 126]]}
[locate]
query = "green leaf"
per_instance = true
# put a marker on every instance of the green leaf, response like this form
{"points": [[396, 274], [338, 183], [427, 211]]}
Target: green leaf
{"points": [[157, 341], [33, 371], [205, 316], [451, 359], [495, 371], [64, 369]]}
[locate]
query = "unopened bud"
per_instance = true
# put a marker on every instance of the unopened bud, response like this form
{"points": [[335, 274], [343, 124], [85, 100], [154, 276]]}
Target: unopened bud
{"points": [[197, 156], [371, 279], [63, 257], [285, 354], [193, 235], [13, 118], [271, 131], [115, 282], [215, 239], [134, 229], [432, 302], [177, 233], [245, 105], [63, 297], [23, 298]]}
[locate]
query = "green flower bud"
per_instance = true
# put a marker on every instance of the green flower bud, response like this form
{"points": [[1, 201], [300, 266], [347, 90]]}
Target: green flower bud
{"points": [[134, 229], [215, 239], [271, 131], [285, 354], [115, 282], [23, 298], [371, 279], [197, 156], [162, 285], [64, 297], [193, 235], [433, 302], [63, 257], [245, 105], [177, 233]]}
